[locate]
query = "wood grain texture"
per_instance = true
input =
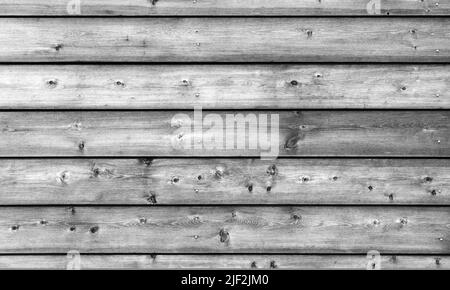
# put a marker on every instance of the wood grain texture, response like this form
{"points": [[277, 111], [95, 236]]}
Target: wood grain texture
{"points": [[225, 229], [171, 133], [224, 86], [224, 181], [357, 262], [225, 39], [216, 7]]}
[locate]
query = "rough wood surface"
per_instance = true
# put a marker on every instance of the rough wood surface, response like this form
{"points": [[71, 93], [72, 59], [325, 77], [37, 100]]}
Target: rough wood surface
{"points": [[357, 262], [225, 39], [224, 181], [157, 211], [217, 7], [224, 86], [225, 229], [156, 133]]}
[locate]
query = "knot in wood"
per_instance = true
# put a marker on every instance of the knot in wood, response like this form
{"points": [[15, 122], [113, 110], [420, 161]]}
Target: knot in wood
{"points": [[120, 84], [296, 219], [58, 47], [219, 172], [151, 198], [146, 161], [403, 221], [94, 229], [272, 170], [224, 236], [52, 83], [305, 179], [292, 142], [63, 176], [81, 145], [95, 172]]}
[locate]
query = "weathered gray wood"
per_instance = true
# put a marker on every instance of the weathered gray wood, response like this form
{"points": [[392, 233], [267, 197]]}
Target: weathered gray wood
{"points": [[153, 133], [362, 262], [225, 229], [224, 181], [216, 7], [224, 86], [225, 39]]}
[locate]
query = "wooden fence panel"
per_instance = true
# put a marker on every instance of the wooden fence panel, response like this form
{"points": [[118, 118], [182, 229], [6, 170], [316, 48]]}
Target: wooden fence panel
{"points": [[172, 133], [136, 87], [244, 262], [217, 7], [224, 40], [224, 181], [325, 229]]}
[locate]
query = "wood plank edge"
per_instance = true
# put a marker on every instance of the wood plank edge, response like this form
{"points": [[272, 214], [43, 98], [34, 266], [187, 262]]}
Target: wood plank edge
{"points": [[224, 261]]}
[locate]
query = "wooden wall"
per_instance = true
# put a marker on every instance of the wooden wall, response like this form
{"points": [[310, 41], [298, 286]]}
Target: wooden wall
{"points": [[87, 163]]}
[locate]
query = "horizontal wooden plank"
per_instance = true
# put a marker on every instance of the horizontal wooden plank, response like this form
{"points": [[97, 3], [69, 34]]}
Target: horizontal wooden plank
{"points": [[225, 229], [172, 133], [357, 262], [225, 39], [216, 7], [224, 181], [224, 86]]}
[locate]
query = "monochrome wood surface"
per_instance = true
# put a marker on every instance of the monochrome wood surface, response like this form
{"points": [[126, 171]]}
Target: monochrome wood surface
{"points": [[272, 39], [216, 7], [224, 181], [162, 133], [224, 86], [279, 262], [225, 229], [99, 153]]}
